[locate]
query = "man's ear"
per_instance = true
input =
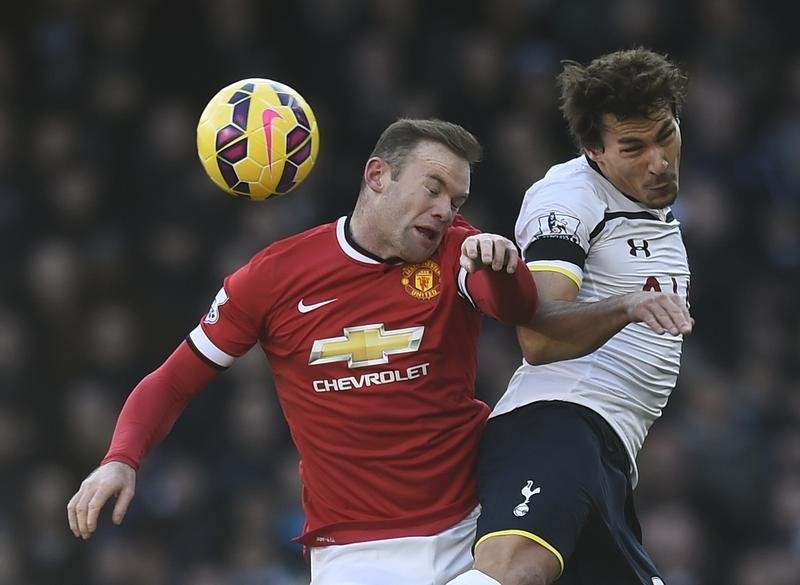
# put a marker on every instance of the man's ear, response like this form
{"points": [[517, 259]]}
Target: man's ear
{"points": [[593, 152], [376, 174]]}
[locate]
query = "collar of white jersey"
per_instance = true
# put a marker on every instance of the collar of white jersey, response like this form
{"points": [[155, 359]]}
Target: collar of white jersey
{"points": [[351, 247]]}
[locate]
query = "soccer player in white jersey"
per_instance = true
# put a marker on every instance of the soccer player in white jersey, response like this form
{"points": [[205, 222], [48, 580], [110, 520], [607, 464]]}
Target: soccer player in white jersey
{"points": [[557, 465]]}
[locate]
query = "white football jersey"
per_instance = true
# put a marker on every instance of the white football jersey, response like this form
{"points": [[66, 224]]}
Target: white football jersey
{"points": [[575, 222]]}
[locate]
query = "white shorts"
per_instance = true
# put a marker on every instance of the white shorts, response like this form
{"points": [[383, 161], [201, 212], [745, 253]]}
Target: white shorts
{"points": [[415, 560]]}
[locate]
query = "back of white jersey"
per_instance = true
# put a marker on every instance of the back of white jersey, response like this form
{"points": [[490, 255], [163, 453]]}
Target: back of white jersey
{"points": [[577, 223]]}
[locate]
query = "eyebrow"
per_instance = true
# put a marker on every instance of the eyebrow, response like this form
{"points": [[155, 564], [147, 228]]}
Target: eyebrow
{"points": [[666, 129]]}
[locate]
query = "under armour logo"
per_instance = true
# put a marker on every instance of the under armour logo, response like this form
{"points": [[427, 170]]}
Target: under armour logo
{"points": [[641, 246], [526, 491]]}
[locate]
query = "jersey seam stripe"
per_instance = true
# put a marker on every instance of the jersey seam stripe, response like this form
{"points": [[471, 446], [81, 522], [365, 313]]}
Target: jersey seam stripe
{"points": [[207, 348], [529, 536], [627, 215], [558, 269]]}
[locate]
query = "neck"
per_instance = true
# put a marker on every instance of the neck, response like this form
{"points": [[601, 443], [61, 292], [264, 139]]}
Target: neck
{"points": [[363, 235], [359, 222]]}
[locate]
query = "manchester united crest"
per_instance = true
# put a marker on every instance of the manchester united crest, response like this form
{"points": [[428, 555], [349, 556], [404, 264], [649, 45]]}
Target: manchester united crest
{"points": [[421, 281]]}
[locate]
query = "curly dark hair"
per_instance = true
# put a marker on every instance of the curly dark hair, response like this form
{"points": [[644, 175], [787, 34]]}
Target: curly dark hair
{"points": [[634, 83]]}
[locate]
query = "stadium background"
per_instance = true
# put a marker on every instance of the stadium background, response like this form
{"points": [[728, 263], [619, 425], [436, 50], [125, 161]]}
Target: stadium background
{"points": [[115, 243]]}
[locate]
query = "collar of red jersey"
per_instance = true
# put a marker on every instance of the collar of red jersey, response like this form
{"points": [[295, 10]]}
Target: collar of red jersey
{"points": [[350, 247]]}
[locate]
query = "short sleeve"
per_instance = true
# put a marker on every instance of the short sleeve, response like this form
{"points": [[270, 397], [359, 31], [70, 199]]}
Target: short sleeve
{"points": [[235, 320], [554, 225]]}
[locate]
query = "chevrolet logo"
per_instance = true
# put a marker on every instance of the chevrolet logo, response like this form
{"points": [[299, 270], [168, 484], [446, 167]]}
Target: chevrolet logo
{"points": [[365, 345]]}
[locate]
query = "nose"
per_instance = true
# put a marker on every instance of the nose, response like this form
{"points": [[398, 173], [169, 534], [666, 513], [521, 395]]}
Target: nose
{"points": [[443, 209], [658, 163]]}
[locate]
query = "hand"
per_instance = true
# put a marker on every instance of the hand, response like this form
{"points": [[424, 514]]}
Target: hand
{"points": [[112, 479], [481, 250], [662, 312]]}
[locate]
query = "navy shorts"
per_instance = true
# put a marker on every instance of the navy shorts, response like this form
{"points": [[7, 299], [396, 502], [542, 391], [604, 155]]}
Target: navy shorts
{"points": [[557, 473]]}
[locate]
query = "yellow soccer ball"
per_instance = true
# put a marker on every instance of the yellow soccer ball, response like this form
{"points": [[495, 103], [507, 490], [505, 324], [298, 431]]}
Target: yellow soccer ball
{"points": [[257, 138]]}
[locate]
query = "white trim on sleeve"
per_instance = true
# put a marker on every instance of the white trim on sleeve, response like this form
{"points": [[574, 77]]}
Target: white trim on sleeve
{"points": [[462, 286], [206, 347]]}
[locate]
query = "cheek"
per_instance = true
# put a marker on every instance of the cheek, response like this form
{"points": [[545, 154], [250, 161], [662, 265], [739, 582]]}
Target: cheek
{"points": [[676, 153], [630, 171]]}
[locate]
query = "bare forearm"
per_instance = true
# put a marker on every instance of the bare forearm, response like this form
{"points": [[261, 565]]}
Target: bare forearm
{"points": [[568, 329], [565, 329]]}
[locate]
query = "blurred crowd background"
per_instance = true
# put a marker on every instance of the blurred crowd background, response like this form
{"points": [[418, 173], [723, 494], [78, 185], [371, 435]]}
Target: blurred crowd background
{"points": [[116, 242]]}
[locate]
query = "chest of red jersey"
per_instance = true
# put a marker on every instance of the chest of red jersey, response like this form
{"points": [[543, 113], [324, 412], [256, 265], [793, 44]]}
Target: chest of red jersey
{"points": [[396, 339], [345, 325]]}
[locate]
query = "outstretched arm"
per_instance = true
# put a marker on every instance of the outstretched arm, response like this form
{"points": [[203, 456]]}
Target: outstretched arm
{"points": [[563, 328], [147, 416]]}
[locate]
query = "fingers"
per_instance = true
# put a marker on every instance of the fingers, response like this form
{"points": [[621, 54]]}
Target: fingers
{"points": [[84, 508], [664, 313], [95, 504], [679, 320], [121, 507], [112, 479], [76, 512], [72, 514], [505, 256], [484, 250]]}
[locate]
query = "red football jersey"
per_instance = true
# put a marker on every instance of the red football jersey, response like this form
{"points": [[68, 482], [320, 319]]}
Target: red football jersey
{"points": [[374, 365]]}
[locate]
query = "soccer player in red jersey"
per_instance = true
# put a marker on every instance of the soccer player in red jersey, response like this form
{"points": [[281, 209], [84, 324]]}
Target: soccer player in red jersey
{"points": [[370, 325]]}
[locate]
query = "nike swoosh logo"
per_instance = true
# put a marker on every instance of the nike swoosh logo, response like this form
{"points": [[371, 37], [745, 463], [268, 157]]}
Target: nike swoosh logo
{"points": [[303, 308], [266, 121]]}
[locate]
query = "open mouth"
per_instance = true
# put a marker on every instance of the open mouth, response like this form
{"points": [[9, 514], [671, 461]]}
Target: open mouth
{"points": [[427, 233]]}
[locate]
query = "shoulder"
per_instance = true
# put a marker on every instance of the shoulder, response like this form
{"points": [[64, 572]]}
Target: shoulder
{"points": [[258, 282], [570, 192], [458, 232], [449, 250], [568, 200], [462, 227], [570, 183], [312, 240]]}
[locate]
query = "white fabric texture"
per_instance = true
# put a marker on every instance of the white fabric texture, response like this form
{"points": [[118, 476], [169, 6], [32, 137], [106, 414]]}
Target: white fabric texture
{"points": [[418, 560]]}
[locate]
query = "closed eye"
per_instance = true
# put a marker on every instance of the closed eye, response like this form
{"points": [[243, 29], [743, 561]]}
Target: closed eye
{"points": [[631, 149]]}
